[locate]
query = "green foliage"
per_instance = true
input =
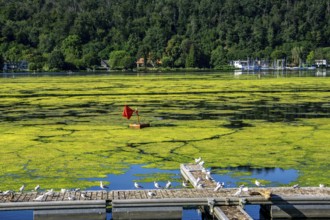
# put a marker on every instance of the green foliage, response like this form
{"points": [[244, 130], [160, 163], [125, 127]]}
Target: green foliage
{"points": [[71, 49], [278, 54], [156, 29], [310, 58], [323, 53], [167, 61], [1, 62], [173, 50], [296, 54], [120, 60], [56, 60], [219, 57], [191, 57]]}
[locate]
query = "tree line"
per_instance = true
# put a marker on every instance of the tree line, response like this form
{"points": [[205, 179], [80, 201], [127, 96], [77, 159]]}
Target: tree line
{"points": [[77, 34]]}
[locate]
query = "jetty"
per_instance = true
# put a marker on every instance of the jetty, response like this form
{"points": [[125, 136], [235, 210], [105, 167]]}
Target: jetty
{"points": [[217, 202]]}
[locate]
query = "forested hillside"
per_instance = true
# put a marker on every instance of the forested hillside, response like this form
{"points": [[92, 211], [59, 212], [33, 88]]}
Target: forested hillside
{"points": [[68, 34]]}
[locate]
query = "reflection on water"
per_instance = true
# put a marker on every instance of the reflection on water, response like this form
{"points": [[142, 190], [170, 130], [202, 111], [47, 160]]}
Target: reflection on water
{"points": [[140, 174], [16, 215], [284, 73], [145, 176], [236, 73], [273, 176]]}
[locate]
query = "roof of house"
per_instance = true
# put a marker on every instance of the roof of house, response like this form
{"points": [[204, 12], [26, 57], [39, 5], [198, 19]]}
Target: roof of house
{"points": [[140, 61]]}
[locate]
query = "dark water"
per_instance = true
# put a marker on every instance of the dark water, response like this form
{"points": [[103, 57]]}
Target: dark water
{"points": [[236, 73]]}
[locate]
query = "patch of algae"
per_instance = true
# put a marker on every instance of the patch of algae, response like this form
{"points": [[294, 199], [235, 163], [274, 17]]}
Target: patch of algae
{"points": [[60, 131]]}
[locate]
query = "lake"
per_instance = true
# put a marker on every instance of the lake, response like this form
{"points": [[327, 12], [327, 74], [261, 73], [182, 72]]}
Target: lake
{"points": [[66, 130]]}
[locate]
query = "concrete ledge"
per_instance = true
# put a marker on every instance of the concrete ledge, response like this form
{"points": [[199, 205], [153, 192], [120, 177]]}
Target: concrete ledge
{"points": [[77, 204], [69, 214], [305, 200], [300, 211], [147, 213]]}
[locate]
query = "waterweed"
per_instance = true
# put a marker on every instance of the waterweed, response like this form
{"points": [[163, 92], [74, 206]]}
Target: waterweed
{"points": [[60, 131]]}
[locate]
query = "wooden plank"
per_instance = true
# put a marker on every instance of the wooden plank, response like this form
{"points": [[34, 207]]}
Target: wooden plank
{"points": [[137, 194], [33, 196], [128, 194], [248, 217], [144, 194], [111, 195], [92, 195], [232, 212], [64, 196], [166, 193], [208, 193], [14, 197], [302, 196], [162, 194], [87, 195], [122, 194], [104, 195], [99, 195], [116, 195], [27, 197], [22, 197], [134, 194], [78, 196], [219, 214]]}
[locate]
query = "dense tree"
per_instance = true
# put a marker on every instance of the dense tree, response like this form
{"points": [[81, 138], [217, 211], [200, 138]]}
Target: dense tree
{"points": [[120, 60], [71, 49], [310, 58], [278, 54], [191, 57], [56, 60], [219, 57], [296, 55], [183, 33], [1, 62]]}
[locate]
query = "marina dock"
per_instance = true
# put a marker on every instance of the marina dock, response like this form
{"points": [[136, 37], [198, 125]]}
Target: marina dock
{"points": [[224, 203]]}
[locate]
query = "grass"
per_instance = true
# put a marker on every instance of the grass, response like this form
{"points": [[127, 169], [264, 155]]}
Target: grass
{"points": [[58, 131]]}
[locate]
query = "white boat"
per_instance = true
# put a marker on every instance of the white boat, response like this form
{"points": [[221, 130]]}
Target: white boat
{"points": [[245, 65]]}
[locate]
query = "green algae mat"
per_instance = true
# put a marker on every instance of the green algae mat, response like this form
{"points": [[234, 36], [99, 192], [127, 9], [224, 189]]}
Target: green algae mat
{"points": [[60, 131]]}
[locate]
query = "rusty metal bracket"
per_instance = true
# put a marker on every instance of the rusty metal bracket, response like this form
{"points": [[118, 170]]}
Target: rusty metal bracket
{"points": [[242, 202], [210, 203]]}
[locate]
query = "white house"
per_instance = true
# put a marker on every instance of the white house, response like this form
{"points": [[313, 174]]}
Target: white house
{"points": [[321, 63]]}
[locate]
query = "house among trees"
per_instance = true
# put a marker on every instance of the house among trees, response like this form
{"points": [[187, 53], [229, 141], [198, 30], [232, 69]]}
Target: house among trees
{"points": [[150, 62], [321, 63], [105, 65], [140, 62], [22, 65]]}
